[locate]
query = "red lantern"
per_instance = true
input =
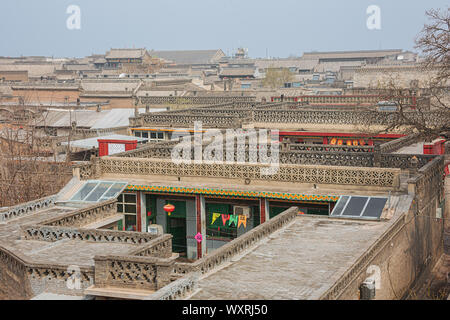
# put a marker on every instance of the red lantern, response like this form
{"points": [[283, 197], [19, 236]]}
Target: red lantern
{"points": [[169, 208]]}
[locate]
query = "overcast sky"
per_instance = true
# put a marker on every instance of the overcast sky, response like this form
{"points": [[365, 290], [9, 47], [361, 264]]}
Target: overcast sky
{"points": [[279, 28]]}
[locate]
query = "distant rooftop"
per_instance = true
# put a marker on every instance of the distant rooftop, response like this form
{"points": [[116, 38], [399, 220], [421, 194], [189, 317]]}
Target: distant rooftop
{"points": [[125, 53], [190, 56]]}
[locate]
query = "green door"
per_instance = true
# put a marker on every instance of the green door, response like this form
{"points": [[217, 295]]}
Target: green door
{"points": [[274, 211], [150, 202], [176, 226]]}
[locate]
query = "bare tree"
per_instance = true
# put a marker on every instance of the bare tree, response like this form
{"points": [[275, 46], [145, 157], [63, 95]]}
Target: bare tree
{"points": [[275, 78], [27, 172], [423, 107], [434, 41]]}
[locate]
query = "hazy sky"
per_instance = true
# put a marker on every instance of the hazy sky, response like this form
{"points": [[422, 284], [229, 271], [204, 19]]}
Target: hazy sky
{"points": [[279, 27]]}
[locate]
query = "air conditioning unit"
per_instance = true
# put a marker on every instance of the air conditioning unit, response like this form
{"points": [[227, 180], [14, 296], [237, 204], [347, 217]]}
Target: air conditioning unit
{"points": [[241, 210], [439, 213]]}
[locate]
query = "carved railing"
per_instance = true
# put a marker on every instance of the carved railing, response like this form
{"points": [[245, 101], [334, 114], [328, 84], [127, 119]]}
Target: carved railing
{"points": [[60, 279], [185, 120], [194, 100], [399, 143], [299, 154], [429, 183], [343, 117], [382, 177], [146, 273], [84, 216], [26, 208], [86, 170], [238, 245], [178, 289], [404, 161], [160, 247], [40, 277], [15, 271], [54, 233], [328, 148]]}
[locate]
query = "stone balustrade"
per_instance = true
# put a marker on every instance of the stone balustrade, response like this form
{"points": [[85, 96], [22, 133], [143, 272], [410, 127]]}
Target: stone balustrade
{"points": [[160, 247], [84, 216], [152, 100], [428, 177], [399, 143], [238, 245], [342, 117], [186, 120], [381, 177], [26, 279], [328, 148], [56, 233], [145, 273], [27, 208], [178, 289]]}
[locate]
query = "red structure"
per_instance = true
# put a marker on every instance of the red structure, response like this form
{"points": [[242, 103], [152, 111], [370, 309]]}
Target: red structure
{"points": [[337, 138], [108, 147], [343, 100], [435, 147]]}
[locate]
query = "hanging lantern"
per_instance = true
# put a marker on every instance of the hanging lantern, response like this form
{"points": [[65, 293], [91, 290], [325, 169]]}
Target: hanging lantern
{"points": [[362, 142], [339, 142], [169, 208], [333, 141], [355, 142], [349, 142]]}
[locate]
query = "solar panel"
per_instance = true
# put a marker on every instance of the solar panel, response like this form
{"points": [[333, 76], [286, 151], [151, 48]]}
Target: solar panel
{"points": [[359, 207], [374, 207], [337, 211], [355, 206]]}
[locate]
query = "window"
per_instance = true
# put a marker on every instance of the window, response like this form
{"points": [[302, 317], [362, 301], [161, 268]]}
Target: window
{"points": [[126, 204], [156, 136]]}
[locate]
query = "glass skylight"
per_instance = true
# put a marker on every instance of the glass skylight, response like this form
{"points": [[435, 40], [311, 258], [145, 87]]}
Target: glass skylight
{"points": [[96, 191]]}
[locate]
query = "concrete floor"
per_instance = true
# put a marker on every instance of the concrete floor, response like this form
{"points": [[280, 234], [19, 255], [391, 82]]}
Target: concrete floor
{"points": [[300, 261]]}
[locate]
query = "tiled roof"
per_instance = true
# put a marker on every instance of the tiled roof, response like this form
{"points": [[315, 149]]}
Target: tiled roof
{"points": [[34, 70], [308, 64], [190, 56], [237, 72], [351, 54], [125, 53]]}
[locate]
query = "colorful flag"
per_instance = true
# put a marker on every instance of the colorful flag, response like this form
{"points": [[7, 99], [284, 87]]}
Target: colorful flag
{"points": [[233, 218], [214, 217], [242, 220], [225, 218]]}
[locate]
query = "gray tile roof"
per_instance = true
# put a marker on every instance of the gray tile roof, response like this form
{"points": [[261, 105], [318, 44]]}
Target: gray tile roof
{"points": [[125, 53], [190, 56]]}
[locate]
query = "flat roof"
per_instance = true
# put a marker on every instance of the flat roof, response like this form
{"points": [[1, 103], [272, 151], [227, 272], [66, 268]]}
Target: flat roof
{"points": [[90, 143], [300, 261]]}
